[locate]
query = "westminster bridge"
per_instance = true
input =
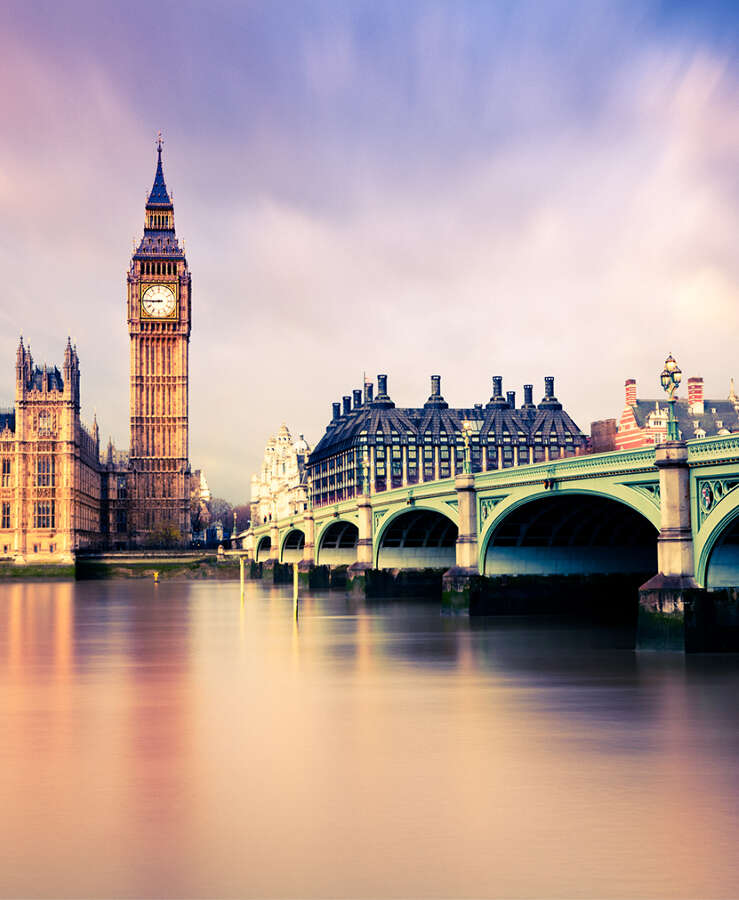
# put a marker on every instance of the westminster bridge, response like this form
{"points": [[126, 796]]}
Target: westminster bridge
{"points": [[672, 510]]}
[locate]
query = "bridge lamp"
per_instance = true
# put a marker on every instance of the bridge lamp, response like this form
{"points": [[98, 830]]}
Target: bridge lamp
{"points": [[467, 428], [671, 377], [366, 472]]}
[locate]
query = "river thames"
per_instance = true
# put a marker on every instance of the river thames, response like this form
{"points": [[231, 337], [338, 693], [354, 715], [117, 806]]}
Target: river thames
{"points": [[168, 741]]}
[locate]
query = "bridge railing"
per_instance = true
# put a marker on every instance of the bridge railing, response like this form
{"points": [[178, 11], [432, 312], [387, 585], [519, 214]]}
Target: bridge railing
{"points": [[722, 447]]}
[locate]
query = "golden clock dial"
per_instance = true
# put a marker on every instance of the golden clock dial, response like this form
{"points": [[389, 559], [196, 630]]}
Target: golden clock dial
{"points": [[159, 302]]}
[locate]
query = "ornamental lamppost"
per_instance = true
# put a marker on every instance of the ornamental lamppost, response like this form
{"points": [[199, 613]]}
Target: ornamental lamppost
{"points": [[467, 427], [366, 472], [671, 377]]}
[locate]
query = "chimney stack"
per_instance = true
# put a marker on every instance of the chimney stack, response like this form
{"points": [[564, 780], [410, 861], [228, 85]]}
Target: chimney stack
{"points": [[528, 395], [369, 391], [497, 386], [347, 404], [381, 387], [695, 396], [336, 407], [511, 397], [357, 398], [630, 386], [436, 385], [549, 387]]}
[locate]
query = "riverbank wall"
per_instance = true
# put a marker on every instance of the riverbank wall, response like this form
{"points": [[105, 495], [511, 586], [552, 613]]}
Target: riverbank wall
{"points": [[144, 564]]}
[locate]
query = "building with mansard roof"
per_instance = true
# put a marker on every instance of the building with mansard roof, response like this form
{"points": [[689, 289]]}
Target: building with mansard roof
{"points": [[369, 437]]}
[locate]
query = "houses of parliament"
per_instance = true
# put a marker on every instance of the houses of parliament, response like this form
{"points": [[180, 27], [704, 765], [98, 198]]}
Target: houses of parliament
{"points": [[59, 494]]}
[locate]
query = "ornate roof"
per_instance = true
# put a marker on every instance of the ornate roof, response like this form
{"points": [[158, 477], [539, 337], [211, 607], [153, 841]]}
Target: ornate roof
{"points": [[158, 196], [495, 422], [715, 411], [50, 378], [7, 419]]}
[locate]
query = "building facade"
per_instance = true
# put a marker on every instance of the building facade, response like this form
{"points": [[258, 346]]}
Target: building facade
{"points": [[50, 486], [159, 309], [57, 496], [370, 439], [643, 423], [280, 487]]}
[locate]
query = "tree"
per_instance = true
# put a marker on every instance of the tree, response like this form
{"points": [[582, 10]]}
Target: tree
{"points": [[243, 516], [222, 510], [165, 537], [199, 515]]}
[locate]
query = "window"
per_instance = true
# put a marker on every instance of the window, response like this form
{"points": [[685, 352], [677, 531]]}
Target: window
{"points": [[45, 471], [5, 523], [121, 488], [44, 514], [45, 422], [52, 548], [6, 472], [35, 548]]}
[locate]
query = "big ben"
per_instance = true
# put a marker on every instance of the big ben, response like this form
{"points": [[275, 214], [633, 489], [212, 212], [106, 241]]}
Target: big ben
{"points": [[159, 307]]}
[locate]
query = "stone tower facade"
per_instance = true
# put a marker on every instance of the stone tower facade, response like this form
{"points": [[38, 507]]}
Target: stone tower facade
{"points": [[159, 308], [50, 490]]}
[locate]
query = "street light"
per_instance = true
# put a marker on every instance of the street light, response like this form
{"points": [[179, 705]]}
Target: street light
{"points": [[671, 377], [467, 428], [366, 472]]}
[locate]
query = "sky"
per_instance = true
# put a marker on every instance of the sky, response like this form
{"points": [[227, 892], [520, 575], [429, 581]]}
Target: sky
{"points": [[459, 188]]}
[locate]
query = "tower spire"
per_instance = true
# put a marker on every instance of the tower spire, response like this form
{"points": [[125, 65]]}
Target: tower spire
{"points": [[158, 196]]}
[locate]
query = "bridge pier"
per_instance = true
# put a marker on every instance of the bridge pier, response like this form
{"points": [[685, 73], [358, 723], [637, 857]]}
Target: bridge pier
{"points": [[670, 601], [307, 564], [456, 584], [357, 573], [270, 566]]}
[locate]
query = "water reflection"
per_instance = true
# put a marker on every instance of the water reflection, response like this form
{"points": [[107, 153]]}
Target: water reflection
{"points": [[169, 740]]}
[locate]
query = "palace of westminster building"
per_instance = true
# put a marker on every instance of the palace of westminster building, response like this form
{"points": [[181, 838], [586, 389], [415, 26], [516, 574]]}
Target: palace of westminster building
{"points": [[58, 493]]}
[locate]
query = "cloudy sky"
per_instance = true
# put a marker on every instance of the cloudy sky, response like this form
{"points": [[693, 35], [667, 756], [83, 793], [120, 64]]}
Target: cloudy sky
{"points": [[468, 189]]}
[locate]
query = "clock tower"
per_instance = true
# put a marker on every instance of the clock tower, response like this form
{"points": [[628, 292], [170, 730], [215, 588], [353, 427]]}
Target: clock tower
{"points": [[159, 326]]}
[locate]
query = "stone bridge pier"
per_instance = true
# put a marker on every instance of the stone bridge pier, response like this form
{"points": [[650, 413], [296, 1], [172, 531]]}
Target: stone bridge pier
{"points": [[672, 607], [458, 581]]}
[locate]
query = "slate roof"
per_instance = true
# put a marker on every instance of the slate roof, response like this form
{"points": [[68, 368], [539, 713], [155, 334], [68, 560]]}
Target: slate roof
{"points": [[158, 196], [7, 419], [53, 377], [159, 244], [495, 422], [726, 413]]}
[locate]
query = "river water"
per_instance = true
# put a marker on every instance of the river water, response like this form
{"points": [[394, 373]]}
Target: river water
{"points": [[168, 741]]}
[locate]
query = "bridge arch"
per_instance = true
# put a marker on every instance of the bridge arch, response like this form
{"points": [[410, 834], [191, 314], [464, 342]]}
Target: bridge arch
{"points": [[417, 537], [571, 531], [717, 545], [264, 548], [337, 543], [293, 542]]}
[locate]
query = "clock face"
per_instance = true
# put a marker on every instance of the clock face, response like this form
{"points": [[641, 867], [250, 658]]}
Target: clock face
{"points": [[159, 302]]}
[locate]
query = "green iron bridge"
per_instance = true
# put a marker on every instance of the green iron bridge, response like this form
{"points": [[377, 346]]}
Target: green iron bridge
{"points": [[672, 510]]}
